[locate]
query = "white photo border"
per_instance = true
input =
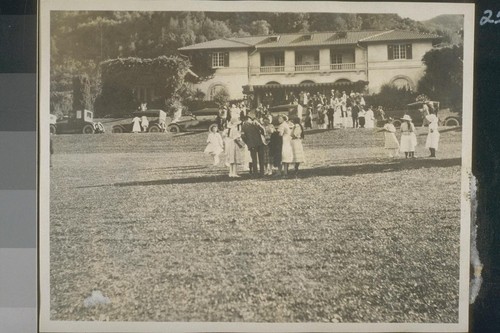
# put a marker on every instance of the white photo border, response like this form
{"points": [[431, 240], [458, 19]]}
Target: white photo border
{"points": [[45, 8]]}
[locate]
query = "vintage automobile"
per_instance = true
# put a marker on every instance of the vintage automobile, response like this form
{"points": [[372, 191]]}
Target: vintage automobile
{"points": [[157, 121], [53, 123], [78, 121], [290, 110], [199, 120], [415, 111]]}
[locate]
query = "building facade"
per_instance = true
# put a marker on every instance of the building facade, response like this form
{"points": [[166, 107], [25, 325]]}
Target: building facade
{"points": [[279, 64]]}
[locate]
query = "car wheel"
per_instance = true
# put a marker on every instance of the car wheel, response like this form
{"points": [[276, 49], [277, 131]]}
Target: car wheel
{"points": [[212, 126], [173, 128], [154, 129], [117, 129], [451, 122], [88, 129], [396, 123], [52, 129]]}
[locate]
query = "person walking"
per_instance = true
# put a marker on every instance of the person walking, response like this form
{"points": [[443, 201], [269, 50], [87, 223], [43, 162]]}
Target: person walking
{"points": [[408, 137], [251, 133], [432, 141]]}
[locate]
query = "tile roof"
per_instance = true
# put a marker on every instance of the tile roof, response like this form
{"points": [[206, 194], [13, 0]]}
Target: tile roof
{"points": [[399, 35], [310, 39]]}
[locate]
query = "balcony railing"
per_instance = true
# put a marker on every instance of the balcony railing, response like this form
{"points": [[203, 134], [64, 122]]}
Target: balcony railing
{"points": [[343, 67], [272, 69], [306, 68]]}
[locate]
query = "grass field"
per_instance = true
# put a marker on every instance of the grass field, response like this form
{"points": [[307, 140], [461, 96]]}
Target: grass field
{"points": [[358, 237]]}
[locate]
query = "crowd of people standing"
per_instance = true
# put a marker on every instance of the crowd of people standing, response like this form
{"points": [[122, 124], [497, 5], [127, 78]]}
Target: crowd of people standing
{"points": [[257, 145]]}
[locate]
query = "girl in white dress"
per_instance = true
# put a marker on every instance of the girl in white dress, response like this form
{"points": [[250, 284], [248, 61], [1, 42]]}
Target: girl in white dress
{"points": [[369, 118], [136, 128], [408, 137], [391, 143], [286, 150], [144, 123], [215, 145], [432, 141]]}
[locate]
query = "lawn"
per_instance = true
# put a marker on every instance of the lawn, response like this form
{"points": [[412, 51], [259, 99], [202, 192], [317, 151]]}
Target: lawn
{"points": [[358, 237]]}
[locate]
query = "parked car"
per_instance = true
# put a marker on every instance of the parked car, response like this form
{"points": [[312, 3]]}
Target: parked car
{"points": [[199, 120], [415, 111], [78, 121], [290, 110], [53, 123], [157, 121]]}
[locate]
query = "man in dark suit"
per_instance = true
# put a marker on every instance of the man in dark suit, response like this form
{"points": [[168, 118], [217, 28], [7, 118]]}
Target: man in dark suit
{"points": [[251, 133]]}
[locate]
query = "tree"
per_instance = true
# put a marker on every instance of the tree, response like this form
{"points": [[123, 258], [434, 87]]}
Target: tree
{"points": [[443, 78], [221, 97], [119, 76], [392, 97], [81, 93]]}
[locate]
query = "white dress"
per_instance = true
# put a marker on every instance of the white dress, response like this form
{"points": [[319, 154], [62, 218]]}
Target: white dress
{"points": [[286, 150], [369, 119], [215, 145], [432, 140], [232, 150], [391, 142], [297, 147], [144, 123], [137, 125], [408, 138]]}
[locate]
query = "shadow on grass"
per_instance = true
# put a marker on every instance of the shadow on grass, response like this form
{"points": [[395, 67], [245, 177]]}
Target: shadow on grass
{"points": [[339, 170]]}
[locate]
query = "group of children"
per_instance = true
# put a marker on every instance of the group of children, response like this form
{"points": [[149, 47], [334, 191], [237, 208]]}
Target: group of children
{"points": [[282, 145], [409, 136]]}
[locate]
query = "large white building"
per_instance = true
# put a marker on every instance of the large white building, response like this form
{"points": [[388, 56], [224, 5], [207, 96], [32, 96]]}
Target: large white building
{"points": [[283, 63]]}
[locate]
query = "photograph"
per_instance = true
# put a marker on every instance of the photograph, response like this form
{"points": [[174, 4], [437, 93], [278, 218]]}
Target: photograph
{"points": [[250, 166]]}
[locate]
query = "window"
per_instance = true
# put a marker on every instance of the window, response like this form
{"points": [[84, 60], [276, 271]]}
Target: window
{"points": [[279, 60], [220, 59], [399, 51], [336, 58], [214, 90]]}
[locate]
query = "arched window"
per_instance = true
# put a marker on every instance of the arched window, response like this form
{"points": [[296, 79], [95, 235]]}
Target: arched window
{"points": [[401, 82], [214, 90], [272, 82], [343, 81], [307, 82]]}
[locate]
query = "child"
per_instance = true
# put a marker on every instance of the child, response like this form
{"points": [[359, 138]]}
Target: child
{"points": [[408, 137], [432, 140], [144, 123], [391, 142], [215, 146], [297, 148]]}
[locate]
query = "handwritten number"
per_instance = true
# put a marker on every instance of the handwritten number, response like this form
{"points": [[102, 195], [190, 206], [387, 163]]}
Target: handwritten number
{"points": [[487, 17]]}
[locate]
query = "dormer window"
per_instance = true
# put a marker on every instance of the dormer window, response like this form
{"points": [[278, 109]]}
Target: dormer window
{"points": [[307, 37], [274, 38]]}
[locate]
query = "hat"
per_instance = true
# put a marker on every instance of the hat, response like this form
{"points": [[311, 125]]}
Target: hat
{"points": [[406, 117], [431, 118]]}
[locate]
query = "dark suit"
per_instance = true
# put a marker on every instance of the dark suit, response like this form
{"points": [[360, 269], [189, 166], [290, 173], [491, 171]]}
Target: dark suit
{"points": [[251, 135]]}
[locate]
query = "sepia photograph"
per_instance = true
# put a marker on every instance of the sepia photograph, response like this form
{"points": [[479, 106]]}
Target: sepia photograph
{"points": [[254, 166]]}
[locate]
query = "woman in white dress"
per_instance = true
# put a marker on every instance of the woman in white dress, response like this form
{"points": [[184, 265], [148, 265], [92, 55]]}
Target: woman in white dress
{"points": [[408, 137], [369, 118], [286, 150], [136, 128], [432, 141], [297, 147], [232, 142], [144, 123]]}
